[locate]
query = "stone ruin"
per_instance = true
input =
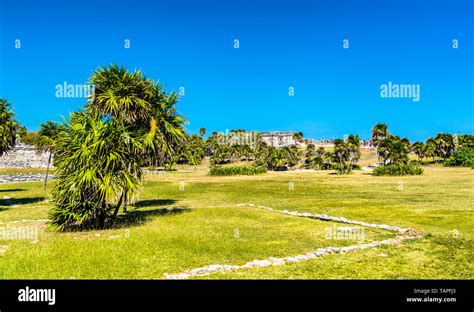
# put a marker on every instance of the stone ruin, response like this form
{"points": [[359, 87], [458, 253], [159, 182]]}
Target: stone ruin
{"points": [[24, 156]]}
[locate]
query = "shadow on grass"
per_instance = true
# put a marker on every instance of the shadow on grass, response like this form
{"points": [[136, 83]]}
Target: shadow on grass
{"points": [[21, 201], [154, 202], [12, 190], [138, 217]]}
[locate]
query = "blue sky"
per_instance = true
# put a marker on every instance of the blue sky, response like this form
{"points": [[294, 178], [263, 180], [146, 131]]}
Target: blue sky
{"points": [[282, 44]]}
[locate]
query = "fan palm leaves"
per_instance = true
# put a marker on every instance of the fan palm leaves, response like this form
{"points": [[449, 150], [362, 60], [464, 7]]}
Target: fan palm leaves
{"points": [[8, 127], [93, 171], [166, 127], [394, 150], [379, 132], [99, 154], [445, 145], [120, 94], [346, 152]]}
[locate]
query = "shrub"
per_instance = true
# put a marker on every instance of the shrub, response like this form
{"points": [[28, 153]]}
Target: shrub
{"points": [[462, 157], [326, 166], [228, 171], [397, 170], [356, 167]]}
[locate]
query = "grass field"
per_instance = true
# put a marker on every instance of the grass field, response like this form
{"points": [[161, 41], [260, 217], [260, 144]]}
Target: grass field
{"points": [[172, 228]]}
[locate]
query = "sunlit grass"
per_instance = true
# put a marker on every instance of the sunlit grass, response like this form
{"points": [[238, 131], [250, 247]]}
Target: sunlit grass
{"points": [[437, 203]]}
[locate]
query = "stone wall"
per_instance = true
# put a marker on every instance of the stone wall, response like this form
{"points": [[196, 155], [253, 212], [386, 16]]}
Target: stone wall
{"points": [[11, 178], [278, 138], [24, 156]]}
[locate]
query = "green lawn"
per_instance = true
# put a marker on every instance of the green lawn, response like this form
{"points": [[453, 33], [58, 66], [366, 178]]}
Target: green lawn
{"points": [[172, 229]]}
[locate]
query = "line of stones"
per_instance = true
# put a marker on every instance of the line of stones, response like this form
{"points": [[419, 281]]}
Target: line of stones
{"points": [[404, 234], [24, 220], [12, 178]]}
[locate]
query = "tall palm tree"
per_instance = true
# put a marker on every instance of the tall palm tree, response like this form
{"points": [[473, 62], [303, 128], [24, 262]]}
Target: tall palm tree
{"points": [[99, 155], [8, 127], [353, 149], [379, 132], [142, 105], [340, 154], [46, 142], [430, 149]]}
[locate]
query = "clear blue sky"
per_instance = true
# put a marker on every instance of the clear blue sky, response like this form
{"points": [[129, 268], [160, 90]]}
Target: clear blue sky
{"points": [[282, 44]]}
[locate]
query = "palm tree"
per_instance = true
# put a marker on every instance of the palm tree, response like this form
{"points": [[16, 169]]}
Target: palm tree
{"points": [[279, 157], [142, 105], [166, 131], [120, 94], [298, 137], [46, 142], [100, 153], [96, 163], [430, 149], [8, 127], [399, 151], [379, 133], [353, 149], [340, 153], [419, 148], [202, 132], [394, 150], [445, 145]]}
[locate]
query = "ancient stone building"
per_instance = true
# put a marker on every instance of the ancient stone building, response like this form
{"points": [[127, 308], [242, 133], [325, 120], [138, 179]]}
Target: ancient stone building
{"points": [[278, 138], [24, 156]]}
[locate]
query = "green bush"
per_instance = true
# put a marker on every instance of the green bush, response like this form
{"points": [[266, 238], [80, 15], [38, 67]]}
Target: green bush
{"points": [[356, 167], [326, 166], [228, 171], [397, 170], [463, 157]]}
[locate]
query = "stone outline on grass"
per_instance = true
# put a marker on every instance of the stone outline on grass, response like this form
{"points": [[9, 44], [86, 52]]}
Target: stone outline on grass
{"points": [[403, 234], [24, 221]]}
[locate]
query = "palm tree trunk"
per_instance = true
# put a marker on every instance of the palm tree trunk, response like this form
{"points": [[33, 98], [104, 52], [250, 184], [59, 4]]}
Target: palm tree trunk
{"points": [[117, 208], [124, 202], [47, 171], [125, 193]]}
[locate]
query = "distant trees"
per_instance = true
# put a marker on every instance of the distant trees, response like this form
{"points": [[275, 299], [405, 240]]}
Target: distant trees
{"points": [[420, 149], [231, 147], [444, 145], [277, 158], [8, 127], [314, 158], [394, 150], [346, 153], [390, 148], [190, 152], [298, 137]]}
